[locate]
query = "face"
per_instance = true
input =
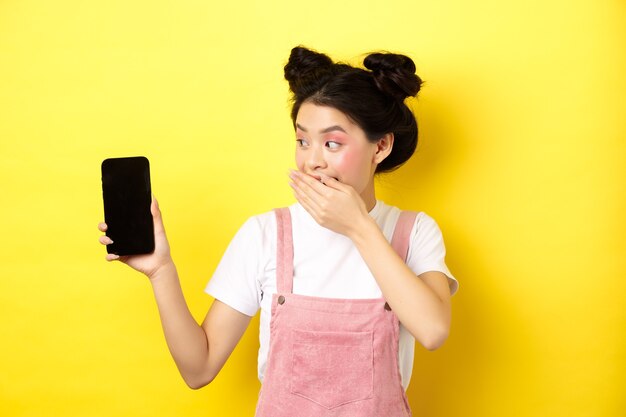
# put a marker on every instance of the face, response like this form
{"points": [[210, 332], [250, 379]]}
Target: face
{"points": [[329, 143]]}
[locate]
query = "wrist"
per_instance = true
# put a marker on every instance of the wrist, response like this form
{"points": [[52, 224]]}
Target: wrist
{"points": [[364, 229], [162, 272]]}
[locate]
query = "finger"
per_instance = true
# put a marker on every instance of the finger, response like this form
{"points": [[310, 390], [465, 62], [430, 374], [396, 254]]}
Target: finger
{"points": [[298, 190], [308, 204], [305, 196], [102, 226], [310, 191], [105, 240], [334, 183], [112, 257], [307, 182], [156, 216], [154, 206]]}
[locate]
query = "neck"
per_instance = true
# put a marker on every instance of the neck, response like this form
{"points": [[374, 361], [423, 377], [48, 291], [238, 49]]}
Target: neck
{"points": [[369, 196]]}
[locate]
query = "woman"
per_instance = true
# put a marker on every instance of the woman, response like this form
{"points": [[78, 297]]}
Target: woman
{"points": [[345, 283]]}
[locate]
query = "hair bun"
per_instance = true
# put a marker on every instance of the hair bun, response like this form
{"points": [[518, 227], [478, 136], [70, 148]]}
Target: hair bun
{"points": [[306, 70], [394, 74]]}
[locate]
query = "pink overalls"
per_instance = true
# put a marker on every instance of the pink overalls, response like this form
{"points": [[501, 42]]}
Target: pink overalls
{"points": [[331, 357]]}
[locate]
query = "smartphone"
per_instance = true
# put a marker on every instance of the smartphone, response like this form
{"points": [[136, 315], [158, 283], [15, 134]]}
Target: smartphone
{"points": [[127, 196]]}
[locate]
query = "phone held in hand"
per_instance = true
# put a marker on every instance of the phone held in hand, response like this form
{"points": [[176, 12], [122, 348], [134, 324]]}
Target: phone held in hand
{"points": [[127, 197]]}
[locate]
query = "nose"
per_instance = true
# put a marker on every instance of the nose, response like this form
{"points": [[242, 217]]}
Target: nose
{"points": [[315, 158]]}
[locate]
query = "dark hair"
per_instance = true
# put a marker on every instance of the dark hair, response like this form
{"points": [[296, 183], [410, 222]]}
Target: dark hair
{"points": [[373, 98]]}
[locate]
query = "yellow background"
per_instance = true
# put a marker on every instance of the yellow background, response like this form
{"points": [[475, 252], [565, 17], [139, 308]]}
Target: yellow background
{"points": [[522, 162]]}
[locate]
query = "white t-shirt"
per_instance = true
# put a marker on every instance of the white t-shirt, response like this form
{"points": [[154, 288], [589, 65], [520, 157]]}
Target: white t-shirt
{"points": [[326, 264]]}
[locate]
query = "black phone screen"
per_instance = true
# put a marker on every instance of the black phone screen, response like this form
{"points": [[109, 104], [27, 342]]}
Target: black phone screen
{"points": [[127, 197]]}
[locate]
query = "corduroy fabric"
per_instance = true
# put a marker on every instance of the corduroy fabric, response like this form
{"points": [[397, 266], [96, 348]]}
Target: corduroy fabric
{"points": [[331, 357]]}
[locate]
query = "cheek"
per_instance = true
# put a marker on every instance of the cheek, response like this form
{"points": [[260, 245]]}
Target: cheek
{"points": [[352, 161], [346, 161], [299, 161]]}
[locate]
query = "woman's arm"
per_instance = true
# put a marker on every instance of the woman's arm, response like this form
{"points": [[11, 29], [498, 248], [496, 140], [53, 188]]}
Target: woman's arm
{"points": [[199, 351], [421, 304]]}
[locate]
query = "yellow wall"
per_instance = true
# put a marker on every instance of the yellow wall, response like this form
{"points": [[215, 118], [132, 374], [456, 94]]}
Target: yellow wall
{"points": [[522, 162]]}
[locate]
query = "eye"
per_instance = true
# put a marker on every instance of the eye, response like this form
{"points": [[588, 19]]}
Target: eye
{"points": [[332, 144], [301, 143]]}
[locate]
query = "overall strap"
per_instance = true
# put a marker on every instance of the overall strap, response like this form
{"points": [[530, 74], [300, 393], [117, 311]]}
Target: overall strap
{"points": [[284, 251], [402, 233], [284, 245]]}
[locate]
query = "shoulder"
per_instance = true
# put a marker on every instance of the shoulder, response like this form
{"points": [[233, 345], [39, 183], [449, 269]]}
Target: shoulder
{"points": [[253, 237], [389, 214], [259, 224], [426, 231], [424, 223], [427, 251], [387, 217], [264, 225]]}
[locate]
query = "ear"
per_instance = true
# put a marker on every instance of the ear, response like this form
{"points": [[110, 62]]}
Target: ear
{"points": [[383, 148]]}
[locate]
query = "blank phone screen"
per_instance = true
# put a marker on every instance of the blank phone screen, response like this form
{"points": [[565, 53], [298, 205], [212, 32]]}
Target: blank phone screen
{"points": [[127, 197]]}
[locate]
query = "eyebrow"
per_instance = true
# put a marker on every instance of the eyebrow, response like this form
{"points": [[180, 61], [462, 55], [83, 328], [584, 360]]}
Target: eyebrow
{"points": [[326, 130]]}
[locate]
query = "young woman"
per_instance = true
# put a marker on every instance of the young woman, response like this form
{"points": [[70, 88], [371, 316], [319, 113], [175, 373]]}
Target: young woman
{"points": [[345, 283]]}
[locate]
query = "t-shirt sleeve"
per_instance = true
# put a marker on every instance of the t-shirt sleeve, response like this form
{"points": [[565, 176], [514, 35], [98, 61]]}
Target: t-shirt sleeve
{"points": [[235, 281], [427, 251]]}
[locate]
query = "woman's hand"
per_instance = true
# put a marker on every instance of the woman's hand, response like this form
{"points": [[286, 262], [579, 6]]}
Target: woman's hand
{"points": [[148, 264], [334, 205]]}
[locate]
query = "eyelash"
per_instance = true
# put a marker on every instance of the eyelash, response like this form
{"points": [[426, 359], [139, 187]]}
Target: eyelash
{"points": [[331, 144]]}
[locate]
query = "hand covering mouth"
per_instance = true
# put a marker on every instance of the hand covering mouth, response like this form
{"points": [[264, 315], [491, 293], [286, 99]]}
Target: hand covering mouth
{"points": [[320, 177]]}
